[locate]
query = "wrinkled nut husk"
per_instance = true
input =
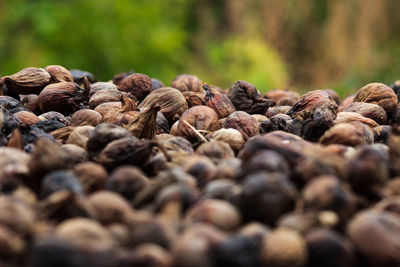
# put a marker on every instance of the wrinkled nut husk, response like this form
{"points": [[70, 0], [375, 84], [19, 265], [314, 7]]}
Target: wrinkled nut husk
{"points": [[200, 118], [187, 82], [194, 98], [245, 97], [145, 124], [63, 97], [277, 110], [369, 228], [219, 102], [28, 81], [344, 116], [368, 110], [139, 85], [284, 248], [312, 115], [379, 94], [345, 103], [59, 74], [246, 124], [27, 117], [283, 97], [349, 134], [170, 100]]}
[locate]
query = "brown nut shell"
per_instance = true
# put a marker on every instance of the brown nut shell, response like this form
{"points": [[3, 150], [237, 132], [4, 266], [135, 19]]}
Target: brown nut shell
{"points": [[59, 74], [139, 85], [85, 117], [28, 81], [246, 124], [59, 97], [377, 93]]}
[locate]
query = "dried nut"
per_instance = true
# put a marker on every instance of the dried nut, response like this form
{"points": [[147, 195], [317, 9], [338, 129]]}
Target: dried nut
{"points": [[80, 135], [85, 235], [278, 122], [345, 103], [326, 193], [150, 255], [104, 96], [170, 100], [177, 147], [12, 244], [85, 117], [110, 207], [127, 151], [369, 228], [368, 110], [230, 136], [216, 212], [16, 215], [28, 81], [156, 84], [92, 176], [162, 126], [378, 93], [216, 151], [11, 104], [27, 117], [277, 110], [382, 134], [59, 74], [117, 79], [349, 134], [174, 129], [95, 87], [187, 82], [344, 116], [202, 168], [199, 118], [328, 248], [222, 189], [31, 103], [76, 153], [284, 248], [255, 197], [260, 118], [105, 108], [103, 134], [334, 95], [313, 114], [246, 124], [266, 161], [368, 169], [60, 180], [54, 115], [283, 97], [219, 102], [63, 97], [78, 76], [194, 98], [195, 247], [127, 181], [245, 97], [139, 85]]}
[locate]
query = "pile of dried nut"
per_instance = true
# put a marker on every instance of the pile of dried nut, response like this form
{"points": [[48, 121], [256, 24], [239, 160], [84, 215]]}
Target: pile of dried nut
{"points": [[133, 173]]}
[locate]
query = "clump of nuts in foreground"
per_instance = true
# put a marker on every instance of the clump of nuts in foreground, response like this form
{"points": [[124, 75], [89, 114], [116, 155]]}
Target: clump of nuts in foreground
{"points": [[138, 172]]}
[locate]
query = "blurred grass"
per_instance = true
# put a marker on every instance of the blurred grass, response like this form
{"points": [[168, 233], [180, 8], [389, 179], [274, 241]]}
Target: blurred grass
{"points": [[301, 44]]}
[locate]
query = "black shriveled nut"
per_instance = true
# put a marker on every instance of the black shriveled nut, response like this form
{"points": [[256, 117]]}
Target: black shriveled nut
{"points": [[245, 97]]}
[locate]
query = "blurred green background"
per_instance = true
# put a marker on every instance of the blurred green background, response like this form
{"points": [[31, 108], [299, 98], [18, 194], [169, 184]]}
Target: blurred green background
{"points": [[301, 44]]}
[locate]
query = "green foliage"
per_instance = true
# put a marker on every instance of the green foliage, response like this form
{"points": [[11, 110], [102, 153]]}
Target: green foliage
{"points": [[104, 37], [239, 58]]}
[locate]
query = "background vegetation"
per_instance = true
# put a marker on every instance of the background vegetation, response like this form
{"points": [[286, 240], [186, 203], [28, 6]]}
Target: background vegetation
{"points": [[303, 44]]}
